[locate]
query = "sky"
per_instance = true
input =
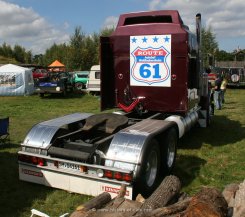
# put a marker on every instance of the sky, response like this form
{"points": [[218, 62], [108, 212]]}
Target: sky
{"points": [[38, 24]]}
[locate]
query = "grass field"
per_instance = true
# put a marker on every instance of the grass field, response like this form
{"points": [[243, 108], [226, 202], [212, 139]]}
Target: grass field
{"points": [[213, 156]]}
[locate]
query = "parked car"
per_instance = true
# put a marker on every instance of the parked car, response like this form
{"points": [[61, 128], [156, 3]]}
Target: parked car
{"points": [[39, 73], [55, 82], [80, 79], [93, 84]]}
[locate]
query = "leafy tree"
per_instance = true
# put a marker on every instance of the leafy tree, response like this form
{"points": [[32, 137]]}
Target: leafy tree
{"points": [[6, 50], [76, 53], [224, 56], [19, 53], [209, 46], [38, 59], [90, 52], [28, 57], [107, 31], [16, 54], [54, 52]]}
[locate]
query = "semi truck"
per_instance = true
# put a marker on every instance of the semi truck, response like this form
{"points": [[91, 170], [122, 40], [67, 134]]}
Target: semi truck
{"points": [[151, 72]]}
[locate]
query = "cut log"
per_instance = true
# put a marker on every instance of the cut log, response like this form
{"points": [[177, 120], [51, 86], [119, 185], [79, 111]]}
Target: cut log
{"points": [[140, 198], [167, 211], [167, 190], [229, 193], [93, 204], [96, 202], [209, 202], [127, 208], [183, 196], [239, 203]]}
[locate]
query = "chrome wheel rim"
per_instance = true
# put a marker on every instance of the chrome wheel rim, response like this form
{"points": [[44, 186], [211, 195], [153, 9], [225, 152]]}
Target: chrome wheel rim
{"points": [[171, 153], [151, 168]]}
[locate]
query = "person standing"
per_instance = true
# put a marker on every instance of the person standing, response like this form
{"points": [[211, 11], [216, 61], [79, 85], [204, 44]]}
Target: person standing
{"points": [[223, 89], [217, 92]]}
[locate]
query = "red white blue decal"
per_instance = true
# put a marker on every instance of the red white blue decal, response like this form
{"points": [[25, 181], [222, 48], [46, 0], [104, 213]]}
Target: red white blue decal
{"points": [[150, 60]]}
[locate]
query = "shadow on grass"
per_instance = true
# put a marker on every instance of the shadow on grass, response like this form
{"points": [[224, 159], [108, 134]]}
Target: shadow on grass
{"points": [[187, 168], [16, 196], [222, 131], [8, 146]]}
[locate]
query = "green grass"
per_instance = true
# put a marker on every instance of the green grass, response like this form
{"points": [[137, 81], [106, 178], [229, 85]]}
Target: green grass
{"points": [[211, 156], [215, 156]]}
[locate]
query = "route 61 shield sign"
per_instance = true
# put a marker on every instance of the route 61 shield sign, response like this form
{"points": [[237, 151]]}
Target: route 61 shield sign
{"points": [[150, 60]]}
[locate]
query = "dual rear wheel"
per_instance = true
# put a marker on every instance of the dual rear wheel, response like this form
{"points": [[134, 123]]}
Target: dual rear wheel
{"points": [[159, 159]]}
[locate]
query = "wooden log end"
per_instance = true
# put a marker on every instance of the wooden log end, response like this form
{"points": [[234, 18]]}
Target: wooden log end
{"points": [[208, 202], [140, 198]]}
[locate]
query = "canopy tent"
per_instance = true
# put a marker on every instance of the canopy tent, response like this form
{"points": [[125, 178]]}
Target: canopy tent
{"points": [[57, 66], [15, 80]]}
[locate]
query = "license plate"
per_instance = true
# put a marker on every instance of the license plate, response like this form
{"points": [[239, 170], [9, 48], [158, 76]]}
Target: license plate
{"points": [[69, 166]]}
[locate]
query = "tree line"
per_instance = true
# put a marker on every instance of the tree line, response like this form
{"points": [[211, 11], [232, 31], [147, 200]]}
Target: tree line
{"points": [[17, 53], [82, 51]]}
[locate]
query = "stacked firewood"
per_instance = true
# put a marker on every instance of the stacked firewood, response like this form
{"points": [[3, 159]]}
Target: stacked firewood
{"points": [[235, 197], [168, 201]]}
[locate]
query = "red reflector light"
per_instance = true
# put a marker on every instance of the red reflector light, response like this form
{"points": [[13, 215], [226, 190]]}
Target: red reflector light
{"points": [[127, 177], [31, 160], [118, 176], [25, 158], [56, 164], [108, 174], [83, 169], [34, 160], [21, 157], [40, 162]]}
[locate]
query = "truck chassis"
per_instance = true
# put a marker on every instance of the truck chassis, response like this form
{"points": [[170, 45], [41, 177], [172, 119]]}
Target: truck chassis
{"points": [[90, 154]]}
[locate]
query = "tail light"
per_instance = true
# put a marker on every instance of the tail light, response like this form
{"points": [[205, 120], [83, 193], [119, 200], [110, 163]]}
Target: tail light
{"points": [[127, 177], [108, 174], [31, 160], [83, 169], [34, 160], [118, 175], [41, 162]]}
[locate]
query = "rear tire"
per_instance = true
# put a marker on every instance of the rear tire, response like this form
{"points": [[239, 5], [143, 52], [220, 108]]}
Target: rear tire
{"points": [[79, 86], [170, 143], [149, 176]]}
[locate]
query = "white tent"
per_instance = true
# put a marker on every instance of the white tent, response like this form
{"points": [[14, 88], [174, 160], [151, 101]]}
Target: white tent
{"points": [[15, 80]]}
